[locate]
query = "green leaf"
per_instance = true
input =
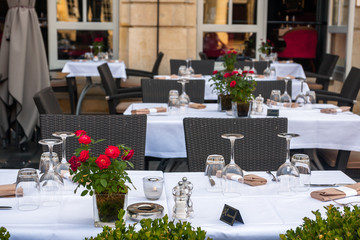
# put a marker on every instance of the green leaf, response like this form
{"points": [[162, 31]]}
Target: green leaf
{"points": [[83, 193]]}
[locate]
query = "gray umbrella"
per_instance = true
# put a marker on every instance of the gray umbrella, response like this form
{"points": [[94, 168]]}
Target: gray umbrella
{"points": [[23, 66]]}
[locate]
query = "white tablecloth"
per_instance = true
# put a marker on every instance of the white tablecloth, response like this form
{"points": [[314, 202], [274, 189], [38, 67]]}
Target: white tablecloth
{"points": [[265, 213], [165, 133], [89, 68]]}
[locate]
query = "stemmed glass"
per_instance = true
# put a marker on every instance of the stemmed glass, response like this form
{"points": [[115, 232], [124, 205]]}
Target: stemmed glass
{"points": [[267, 69], [184, 99], [190, 70], [232, 174], [253, 69], [286, 98], [287, 173], [91, 52], [63, 165], [51, 183], [300, 98]]}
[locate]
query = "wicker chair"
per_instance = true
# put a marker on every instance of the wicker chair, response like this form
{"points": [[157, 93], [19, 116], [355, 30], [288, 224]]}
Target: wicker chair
{"points": [[115, 129], [260, 66], [260, 149], [46, 102], [205, 67], [157, 91], [264, 88]]}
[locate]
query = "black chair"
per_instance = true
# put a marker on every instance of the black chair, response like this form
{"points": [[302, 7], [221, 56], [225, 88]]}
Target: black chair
{"points": [[260, 149], [46, 102], [142, 73], [205, 67], [264, 88], [260, 66], [348, 93], [203, 56], [324, 74], [115, 129], [115, 95], [60, 83], [157, 91]]}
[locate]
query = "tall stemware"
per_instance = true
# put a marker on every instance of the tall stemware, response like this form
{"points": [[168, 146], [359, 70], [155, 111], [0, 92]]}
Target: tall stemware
{"points": [[91, 51], [253, 69], [184, 99], [63, 165], [300, 98], [285, 97], [190, 69], [287, 173], [232, 174], [51, 183]]}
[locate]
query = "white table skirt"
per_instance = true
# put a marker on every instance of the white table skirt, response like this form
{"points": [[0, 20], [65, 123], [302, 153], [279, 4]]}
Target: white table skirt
{"points": [[165, 133], [265, 213], [89, 68]]}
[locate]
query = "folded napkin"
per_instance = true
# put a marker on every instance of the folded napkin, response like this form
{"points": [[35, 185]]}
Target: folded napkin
{"points": [[197, 105], [149, 110], [292, 105], [259, 76], [196, 75], [328, 194], [335, 110], [8, 190], [174, 76], [161, 77], [286, 61], [249, 179], [282, 78]]}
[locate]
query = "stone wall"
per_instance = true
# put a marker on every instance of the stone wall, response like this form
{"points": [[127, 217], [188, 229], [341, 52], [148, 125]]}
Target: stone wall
{"points": [[138, 32]]}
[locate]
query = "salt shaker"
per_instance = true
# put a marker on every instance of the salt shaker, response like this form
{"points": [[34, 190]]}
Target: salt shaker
{"points": [[259, 103], [189, 186], [180, 210]]}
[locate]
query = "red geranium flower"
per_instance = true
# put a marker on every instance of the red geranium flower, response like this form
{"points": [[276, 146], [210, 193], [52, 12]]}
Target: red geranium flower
{"points": [[80, 132], [99, 39], [74, 163], [215, 72], [229, 52], [103, 162], [234, 52], [234, 72], [251, 71], [227, 75], [127, 154], [112, 152], [84, 155], [233, 83], [245, 71], [84, 139]]}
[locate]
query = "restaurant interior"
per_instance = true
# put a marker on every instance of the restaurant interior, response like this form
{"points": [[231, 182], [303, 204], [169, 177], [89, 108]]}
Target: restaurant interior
{"points": [[157, 75]]}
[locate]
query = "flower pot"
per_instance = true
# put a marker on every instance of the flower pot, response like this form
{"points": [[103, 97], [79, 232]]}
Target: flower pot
{"points": [[240, 109], [107, 207], [224, 102]]}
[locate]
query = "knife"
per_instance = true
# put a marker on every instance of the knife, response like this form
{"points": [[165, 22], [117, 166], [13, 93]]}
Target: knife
{"points": [[5, 207], [327, 184]]}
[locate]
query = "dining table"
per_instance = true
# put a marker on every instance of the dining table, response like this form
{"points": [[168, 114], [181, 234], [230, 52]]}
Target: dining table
{"points": [[165, 132], [88, 69], [265, 212]]}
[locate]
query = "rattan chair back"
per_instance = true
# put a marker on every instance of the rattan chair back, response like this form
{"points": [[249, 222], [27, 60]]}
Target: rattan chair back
{"points": [[205, 67], [115, 129], [259, 65], [260, 149], [264, 88]]}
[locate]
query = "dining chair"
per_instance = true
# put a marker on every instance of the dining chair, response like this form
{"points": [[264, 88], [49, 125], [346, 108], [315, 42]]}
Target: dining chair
{"points": [[46, 102], [265, 87], [142, 73], [157, 90], [348, 93], [114, 95], [260, 149], [324, 73], [205, 67], [115, 129], [203, 56], [260, 66]]}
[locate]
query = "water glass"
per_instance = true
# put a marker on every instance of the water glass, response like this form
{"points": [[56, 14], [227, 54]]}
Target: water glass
{"points": [[153, 187], [302, 163], [45, 161], [173, 103], [275, 96], [311, 97], [27, 190], [214, 165]]}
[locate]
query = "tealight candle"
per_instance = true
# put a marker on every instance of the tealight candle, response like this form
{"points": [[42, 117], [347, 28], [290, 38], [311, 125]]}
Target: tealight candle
{"points": [[153, 187]]}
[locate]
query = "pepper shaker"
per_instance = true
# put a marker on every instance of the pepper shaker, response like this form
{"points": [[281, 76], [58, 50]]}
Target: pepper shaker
{"points": [[189, 186], [180, 210]]}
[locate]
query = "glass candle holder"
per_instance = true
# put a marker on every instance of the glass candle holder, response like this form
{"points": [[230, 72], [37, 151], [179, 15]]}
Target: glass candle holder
{"points": [[153, 187]]}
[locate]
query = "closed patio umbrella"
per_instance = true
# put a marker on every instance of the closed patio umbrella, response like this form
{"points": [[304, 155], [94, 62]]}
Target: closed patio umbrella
{"points": [[23, 67]]}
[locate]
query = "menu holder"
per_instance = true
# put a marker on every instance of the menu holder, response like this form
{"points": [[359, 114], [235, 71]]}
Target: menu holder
{"points": [[229, 215], [273, 112]]}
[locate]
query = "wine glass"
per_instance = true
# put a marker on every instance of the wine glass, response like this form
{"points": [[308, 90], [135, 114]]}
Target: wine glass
{"points": [[267, 71], [190, 69], [232, 174], [287, 173], [91, 51], [51, 183], [184, 99], [253, 69], [63, 166], [286, 98], [300, 98]]}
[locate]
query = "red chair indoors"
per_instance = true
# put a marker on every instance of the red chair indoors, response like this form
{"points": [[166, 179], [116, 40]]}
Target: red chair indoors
{"points": [[300, 43]]}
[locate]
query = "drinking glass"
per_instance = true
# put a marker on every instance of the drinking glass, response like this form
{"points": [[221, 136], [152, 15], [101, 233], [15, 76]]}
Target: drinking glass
{"points": [[267, 71], [182, 71], [253, 69], [287, 173], [214, 166], [27, 190], [63, 166], [302, 164], [275, 95], [190, 70], [232, 174], [300, 98], [91, 52], [51, 183], [153, 187], [311, 97], [45, 161], [184, 99], [286, 98], [272, 74], [173, 103]]}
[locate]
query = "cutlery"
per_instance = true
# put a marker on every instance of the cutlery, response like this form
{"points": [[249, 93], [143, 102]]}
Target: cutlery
{"points": [[273, 176], [211, 180], [327, 184], [5, 207]]}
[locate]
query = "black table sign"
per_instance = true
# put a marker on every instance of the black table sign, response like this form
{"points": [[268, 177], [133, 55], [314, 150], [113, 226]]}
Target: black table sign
{"points": [[230, 214], [273, 112]]}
